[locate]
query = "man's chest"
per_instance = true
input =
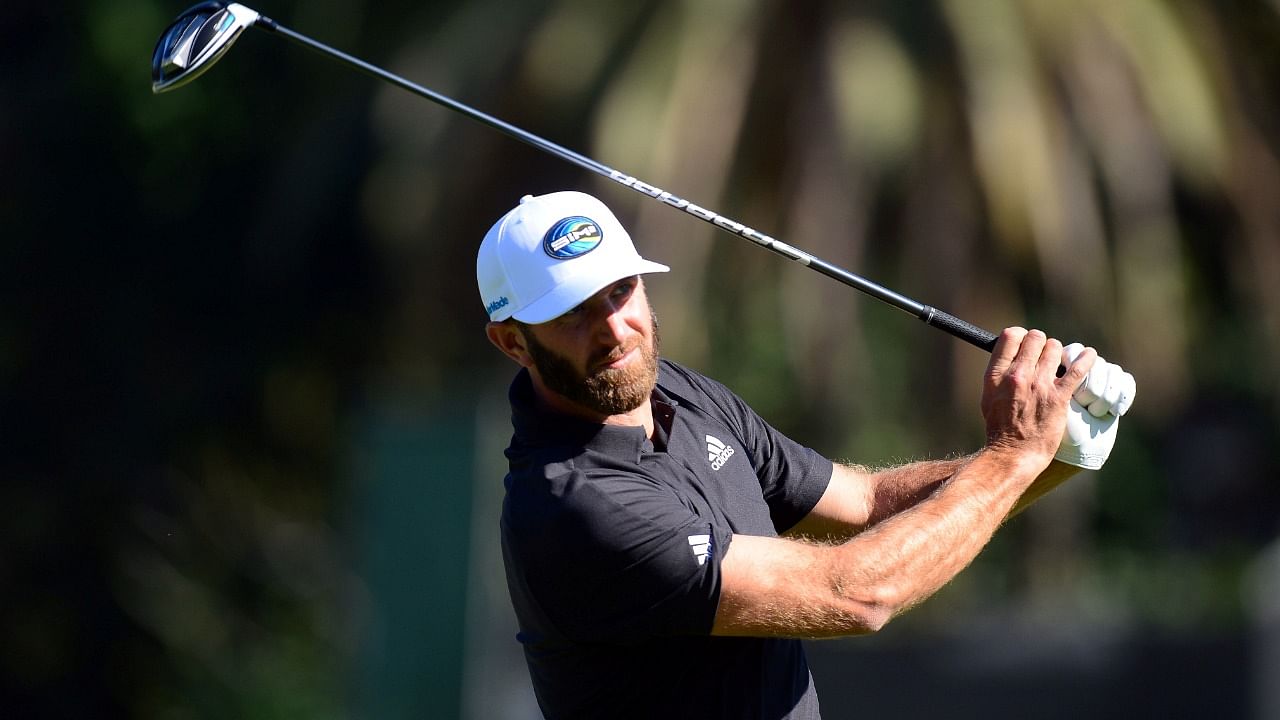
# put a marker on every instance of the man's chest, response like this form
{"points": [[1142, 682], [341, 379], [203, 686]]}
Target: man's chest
{"points": [[709, 468]]}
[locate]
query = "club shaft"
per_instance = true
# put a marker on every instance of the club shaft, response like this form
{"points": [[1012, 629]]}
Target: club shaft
{"points": [[934, 317]]}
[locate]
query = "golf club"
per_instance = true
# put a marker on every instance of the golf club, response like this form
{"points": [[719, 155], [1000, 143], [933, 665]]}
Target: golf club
{"points": [[200, 36]]}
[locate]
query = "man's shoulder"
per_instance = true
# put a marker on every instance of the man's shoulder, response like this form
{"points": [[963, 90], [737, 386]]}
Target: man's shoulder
{"points": [[674, 376], [690, 386]]}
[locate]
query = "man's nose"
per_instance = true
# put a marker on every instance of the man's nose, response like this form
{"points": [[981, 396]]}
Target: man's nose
{"points": [[614, 327]]}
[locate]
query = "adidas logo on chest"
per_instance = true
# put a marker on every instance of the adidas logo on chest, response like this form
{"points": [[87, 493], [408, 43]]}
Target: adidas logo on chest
{"points": [[717, 452]]}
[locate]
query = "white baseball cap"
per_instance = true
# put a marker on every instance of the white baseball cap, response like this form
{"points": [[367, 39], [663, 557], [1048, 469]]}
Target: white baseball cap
{"points": [[552, 252]]}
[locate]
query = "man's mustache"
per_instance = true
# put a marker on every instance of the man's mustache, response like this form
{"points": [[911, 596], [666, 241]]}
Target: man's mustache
{"points": [[609, 356]]}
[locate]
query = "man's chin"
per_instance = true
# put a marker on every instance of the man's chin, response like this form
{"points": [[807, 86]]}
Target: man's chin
{"points": [[604, 390], [615, 391]]}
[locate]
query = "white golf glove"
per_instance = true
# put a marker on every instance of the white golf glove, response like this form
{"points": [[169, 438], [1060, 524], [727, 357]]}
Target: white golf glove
{"points": [[1094, 413]]}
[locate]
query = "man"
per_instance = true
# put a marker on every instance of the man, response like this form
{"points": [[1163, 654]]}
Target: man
{"points": [[665, 547]]}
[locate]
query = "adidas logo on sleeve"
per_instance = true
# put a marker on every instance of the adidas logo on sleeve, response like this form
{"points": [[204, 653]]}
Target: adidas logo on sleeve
{"points": [[701, 547], [717, 452]]}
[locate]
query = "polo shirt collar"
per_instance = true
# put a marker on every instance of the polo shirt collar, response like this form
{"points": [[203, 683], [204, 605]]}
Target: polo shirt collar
{"points": [[536, 426]]}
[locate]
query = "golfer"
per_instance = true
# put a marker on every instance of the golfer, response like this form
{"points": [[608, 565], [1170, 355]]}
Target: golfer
{"points": [[666, 548]]}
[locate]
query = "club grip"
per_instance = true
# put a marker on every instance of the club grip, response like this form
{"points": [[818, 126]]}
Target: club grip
{"points": [[953, 325]]}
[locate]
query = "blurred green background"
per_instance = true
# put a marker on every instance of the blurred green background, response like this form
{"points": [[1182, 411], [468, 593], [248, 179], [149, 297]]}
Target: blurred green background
{"points": [[251, 432]]}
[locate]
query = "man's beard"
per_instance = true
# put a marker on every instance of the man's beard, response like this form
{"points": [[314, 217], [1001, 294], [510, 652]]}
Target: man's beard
{"points": [[608, 391]]}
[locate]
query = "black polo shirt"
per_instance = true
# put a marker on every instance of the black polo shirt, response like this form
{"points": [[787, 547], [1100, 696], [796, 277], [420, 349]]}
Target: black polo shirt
{"points": [[613, 543]]}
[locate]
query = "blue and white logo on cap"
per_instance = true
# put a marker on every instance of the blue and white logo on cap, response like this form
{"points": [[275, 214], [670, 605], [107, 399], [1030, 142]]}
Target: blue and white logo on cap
{"points": [[571, 237]]}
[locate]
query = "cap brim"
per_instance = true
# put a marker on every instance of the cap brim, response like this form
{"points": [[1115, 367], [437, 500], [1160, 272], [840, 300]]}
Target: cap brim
{"points": [[569, 295]]}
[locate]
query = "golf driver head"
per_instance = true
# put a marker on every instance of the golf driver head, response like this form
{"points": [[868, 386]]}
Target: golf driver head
{"points": [[195, 40]]}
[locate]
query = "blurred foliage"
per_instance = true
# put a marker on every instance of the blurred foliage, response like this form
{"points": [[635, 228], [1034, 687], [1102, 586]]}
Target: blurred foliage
{"points": [[204, 292]]}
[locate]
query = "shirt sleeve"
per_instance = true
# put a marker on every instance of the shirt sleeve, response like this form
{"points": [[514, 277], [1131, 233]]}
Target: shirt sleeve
{"points": [[792, 477], [618, 557]]}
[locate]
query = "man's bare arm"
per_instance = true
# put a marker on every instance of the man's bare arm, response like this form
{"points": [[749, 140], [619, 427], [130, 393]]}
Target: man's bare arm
{"points": [[780, 587], [857, 498]]}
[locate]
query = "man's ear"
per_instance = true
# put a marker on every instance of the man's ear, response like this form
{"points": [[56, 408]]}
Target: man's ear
{"points": [[508, 338]]}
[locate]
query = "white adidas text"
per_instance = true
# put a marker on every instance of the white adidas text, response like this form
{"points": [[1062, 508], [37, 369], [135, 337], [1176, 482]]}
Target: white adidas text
{"points": [[717, 452]]}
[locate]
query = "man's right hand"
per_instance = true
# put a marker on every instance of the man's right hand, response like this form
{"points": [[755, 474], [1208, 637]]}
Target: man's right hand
{"points": [[775, 587], [1024, 403]]}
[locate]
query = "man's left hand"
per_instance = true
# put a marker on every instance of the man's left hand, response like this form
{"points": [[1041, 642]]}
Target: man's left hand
{"points": [[1094, 413]]}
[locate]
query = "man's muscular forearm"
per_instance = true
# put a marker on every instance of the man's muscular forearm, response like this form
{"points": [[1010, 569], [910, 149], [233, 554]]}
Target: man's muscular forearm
{"points": [[860, 498], [897, 488], [910, 555], [772, 587], [775, 588], [901, 487]]}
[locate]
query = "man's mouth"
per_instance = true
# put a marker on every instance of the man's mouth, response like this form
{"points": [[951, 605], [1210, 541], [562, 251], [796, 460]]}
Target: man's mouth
{"points": [[623, 359], [617, 359]]}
